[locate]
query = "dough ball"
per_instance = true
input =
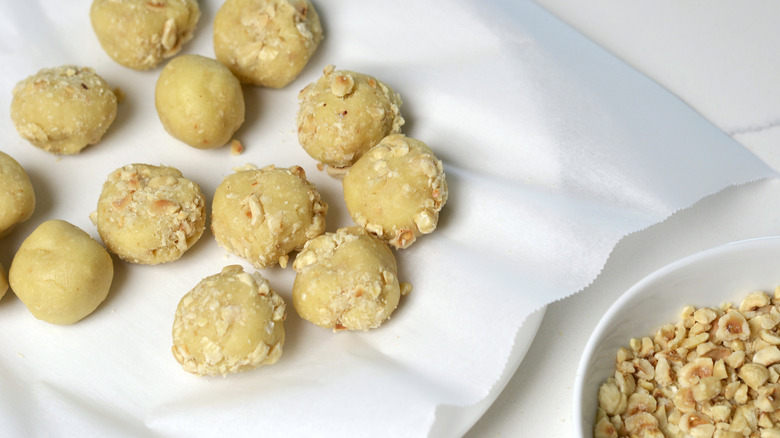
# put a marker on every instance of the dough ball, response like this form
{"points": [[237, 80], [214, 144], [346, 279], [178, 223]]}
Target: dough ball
{"points": [[229, 323], [150, 214], [343, 114], [3, 281], [396, 190], [64, 109], [264, 214], [346, 280], [141, 33], [199, 101], [61, 273], [17, 198], [266, 42]]}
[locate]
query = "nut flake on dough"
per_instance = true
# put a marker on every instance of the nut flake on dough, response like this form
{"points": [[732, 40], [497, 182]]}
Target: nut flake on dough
{"points": [[266, 42], [63, 109], [229, 323], [396, 190], [345, 113], [150, 214], [346, 280], [264, 214], [140, 34]]}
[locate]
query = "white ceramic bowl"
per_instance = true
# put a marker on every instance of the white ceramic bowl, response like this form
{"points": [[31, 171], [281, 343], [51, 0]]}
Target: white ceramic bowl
{"points": [[706, 279]]}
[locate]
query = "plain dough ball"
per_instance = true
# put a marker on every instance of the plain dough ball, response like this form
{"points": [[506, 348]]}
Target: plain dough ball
{"points": [[229, 323], [61, 273], [3, 281], [266, 42], [150, 214], [199, 101], [264, 214], [63, 109], [343, 114], [141, 33], [347, 280], [396, 190], [17, 198]]}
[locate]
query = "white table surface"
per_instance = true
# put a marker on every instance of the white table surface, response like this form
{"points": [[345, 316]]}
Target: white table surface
{"points": [[720, 57]]}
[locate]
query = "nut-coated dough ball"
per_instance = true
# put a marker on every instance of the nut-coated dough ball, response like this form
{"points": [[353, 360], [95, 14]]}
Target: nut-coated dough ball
{"points": [[229, 323], [347, 280], [266, 42], [264, 214], [396, 190], [141, 33], [17, 198], [61, 273], [150, 214], [199, 101], [3, 281], [64, 109], [343, 114]]}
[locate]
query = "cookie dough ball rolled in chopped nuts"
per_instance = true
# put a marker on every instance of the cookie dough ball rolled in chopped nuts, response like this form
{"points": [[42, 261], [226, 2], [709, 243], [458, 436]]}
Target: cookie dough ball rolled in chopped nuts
{"points": [[150, 214], [141, 33], [396, 190], [343, 114], [3, 281], [266, 42], [61, 273], [229, 323], [199, 101], [64, 109], [264, 214], [17, 198], [346, 280]]}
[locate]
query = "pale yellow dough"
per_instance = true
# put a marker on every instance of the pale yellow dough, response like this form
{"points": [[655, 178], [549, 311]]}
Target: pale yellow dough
{"points": [[3, 281], [396, 190], [230, 322], [64, 109], [266, 42], [347, 280], [17, 198], [141, 33], [264, 214], [150, 214], [61, 273], [343, 114], [199, 101]]}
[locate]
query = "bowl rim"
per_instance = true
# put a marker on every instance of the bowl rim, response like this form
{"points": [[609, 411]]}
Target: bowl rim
{"points": [[629, 294]]}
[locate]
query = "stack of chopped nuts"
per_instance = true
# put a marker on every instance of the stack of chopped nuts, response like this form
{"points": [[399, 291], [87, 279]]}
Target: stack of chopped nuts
{"points": [[715, 373]]}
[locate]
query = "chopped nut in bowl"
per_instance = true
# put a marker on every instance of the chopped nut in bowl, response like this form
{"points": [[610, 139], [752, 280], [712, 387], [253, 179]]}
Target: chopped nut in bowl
{"points": [[692, 350]]}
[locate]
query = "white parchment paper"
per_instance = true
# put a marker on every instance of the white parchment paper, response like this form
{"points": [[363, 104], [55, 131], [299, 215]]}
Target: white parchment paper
{"points": [[553, 150]]}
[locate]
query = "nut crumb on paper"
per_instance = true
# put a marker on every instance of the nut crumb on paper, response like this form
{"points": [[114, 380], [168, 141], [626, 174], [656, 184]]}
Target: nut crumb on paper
{"points": [[236, 147]]}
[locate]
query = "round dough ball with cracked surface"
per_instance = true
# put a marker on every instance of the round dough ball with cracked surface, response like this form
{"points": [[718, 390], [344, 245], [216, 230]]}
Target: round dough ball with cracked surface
{"points": [[150, 214], [61, 273], [17, 198], [266, 42], [343, 114], [230, 322], [264, 214], [3, 281], [396, 190], [347, 280], [199, 101], [141, 33], [64, 109]]}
